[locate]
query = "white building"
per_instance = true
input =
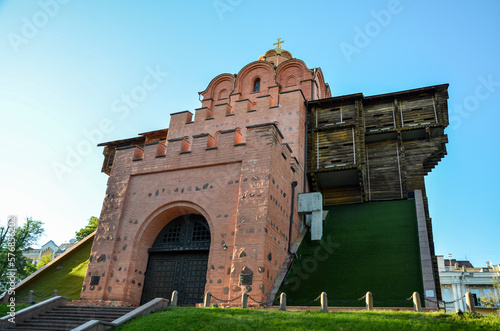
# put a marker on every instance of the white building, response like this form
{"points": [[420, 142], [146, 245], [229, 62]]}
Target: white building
{"points": [[459, 277], [49, 248]]}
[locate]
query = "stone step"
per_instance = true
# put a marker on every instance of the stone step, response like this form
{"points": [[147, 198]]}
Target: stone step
{"points": [[102, 313], [69, 317], [81, 308], [34, 324], [61, 311], [78, 317], [20, 328]]}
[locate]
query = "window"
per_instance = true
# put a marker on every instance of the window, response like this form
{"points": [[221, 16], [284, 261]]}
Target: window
{"points": [[475, 294], [200, 232], [174, 234], [256, 85], [446, 295]]}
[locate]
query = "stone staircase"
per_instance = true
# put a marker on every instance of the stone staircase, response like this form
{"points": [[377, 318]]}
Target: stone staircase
{"points": [[69, 317], [57, 315]]}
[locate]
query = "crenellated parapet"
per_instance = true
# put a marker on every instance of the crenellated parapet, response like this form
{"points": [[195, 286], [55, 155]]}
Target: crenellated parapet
{"points": [[201, 149], [224, 125]]}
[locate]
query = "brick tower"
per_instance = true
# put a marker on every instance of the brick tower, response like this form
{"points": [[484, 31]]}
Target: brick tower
{"points": [[209, 204]]}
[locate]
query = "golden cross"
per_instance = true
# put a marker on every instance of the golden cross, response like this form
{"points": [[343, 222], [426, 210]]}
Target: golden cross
{"points": [[278, 43]]}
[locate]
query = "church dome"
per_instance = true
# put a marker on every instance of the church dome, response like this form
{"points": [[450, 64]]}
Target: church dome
{"points": [[276, 55]]}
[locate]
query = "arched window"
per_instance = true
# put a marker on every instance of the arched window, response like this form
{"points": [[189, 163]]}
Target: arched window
{"points": [[256, 85]]}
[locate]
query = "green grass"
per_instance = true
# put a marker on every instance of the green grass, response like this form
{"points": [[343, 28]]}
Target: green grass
{"points": [[373, 247], [246, 319], [4, 309], [66, 276]]}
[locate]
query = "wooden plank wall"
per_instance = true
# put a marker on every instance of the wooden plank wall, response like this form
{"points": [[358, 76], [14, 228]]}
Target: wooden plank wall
{"points": [[379, 116], [335, 148], [418, 111], [335, 115], [342, 195], [384, 180], [393, 142]]}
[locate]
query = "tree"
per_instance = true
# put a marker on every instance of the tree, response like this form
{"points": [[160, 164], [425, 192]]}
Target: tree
{"points": [[44, 260], [88, 229], [14, 240], [30, 267], [494, 301]]}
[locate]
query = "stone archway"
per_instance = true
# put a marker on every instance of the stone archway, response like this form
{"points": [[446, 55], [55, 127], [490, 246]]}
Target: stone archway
{"points": [[178, 261]]}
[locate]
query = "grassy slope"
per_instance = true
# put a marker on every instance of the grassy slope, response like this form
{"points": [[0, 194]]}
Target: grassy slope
{"points": [[245, 319], [375, 248], [4, 309], [67, 280]]}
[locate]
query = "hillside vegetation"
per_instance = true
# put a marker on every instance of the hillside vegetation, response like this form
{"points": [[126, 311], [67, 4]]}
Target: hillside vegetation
{"points": [[64, 275], [246, 319]]}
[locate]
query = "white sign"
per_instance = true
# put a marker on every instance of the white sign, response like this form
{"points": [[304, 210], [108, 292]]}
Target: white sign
{"points": [[429, 294]]}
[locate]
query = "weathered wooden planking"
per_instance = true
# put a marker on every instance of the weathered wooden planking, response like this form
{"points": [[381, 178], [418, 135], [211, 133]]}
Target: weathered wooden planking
{"points": [[335, 115], [342, 195], [393, 146], [379, 116], [418, 111], [384, 181], [334, 147]]}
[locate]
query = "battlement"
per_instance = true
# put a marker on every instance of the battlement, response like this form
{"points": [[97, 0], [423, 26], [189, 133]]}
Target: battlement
{"points": [[183, 121], [204, 148], [217, 128]]}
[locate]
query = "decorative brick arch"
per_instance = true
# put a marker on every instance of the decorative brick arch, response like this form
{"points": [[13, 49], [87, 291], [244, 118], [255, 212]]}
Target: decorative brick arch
{"points": [[146, 235], [223, 94], [249, 73], [290, 80], [213, 91], [303, 78], [323, 89], [175, 209]]}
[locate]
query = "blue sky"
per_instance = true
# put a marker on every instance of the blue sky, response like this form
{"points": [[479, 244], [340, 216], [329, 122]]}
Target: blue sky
{"points": [[66, 68]]}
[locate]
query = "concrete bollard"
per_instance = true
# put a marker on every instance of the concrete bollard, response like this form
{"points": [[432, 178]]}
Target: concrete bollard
{"points": [[55, 293], [416, 302], [469, 302], [283, 301], [30, 296], [173, 300], [244, 300], [208, 297], [369, 301], [324, 302]]}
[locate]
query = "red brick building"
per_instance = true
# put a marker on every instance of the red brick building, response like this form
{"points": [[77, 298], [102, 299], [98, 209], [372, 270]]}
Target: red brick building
{"points": [[210, 202]]}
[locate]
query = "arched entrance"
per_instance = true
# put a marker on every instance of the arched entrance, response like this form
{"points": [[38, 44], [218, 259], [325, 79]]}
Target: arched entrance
{"points": [[178, 261]]}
